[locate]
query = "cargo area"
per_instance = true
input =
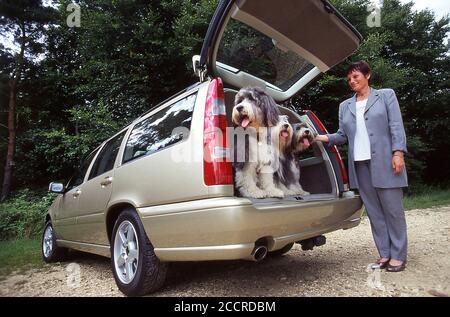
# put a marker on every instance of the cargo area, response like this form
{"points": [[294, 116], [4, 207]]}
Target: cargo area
{"points": [[316, 171]]}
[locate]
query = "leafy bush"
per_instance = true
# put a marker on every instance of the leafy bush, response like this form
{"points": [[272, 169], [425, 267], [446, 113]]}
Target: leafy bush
{"points": [[22, 216]]}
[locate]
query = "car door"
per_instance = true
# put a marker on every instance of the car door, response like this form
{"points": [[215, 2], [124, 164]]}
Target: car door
{"points": [[278, 45], [67, 210], [96, 192]]}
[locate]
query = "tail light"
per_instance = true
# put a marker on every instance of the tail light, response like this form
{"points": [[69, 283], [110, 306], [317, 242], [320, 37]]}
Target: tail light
{"points": [[333, 149], [217, 169]]}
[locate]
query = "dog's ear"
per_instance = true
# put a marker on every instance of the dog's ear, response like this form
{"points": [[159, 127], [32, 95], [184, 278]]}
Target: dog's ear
{"points": [[240, 96], [270, 110]]}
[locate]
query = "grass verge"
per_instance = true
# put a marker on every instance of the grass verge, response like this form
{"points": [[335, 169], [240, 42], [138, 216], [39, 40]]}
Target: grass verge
{"points": [[427, 199], [19, 255]]}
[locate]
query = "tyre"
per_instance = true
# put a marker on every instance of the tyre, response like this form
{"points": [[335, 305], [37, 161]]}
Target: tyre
{"points": [[136, 268], [50, 250], [281, 251]]}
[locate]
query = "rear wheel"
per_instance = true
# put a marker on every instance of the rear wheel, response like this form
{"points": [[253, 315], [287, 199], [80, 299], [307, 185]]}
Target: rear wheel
{"points": [[281, 251], [50, 250], [136, 268]]}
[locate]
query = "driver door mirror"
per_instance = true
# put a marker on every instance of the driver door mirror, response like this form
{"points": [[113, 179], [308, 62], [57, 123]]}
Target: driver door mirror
{"points": [[56, 188]]}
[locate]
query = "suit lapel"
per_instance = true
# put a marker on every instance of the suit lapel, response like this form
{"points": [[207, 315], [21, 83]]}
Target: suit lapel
{"points": [[352, 105], [373, 97]]}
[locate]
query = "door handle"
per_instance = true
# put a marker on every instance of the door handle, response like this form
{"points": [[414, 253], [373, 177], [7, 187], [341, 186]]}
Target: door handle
{"points": [[77, 193], [108, 180]]}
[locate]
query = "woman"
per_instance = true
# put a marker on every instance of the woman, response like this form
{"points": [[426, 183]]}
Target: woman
{"points": [[371, 122]]}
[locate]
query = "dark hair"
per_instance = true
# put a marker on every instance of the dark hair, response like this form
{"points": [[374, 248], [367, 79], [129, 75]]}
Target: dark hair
{"points": [[361, 66]]}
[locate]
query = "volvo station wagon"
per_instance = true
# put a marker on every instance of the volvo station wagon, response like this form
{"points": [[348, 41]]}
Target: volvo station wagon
{"points": [[148, 196]]}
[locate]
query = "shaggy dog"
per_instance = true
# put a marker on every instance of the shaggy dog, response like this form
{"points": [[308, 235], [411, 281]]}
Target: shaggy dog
{"points": [[301, 140], [284, 176], [287, 176], [255, 114]]}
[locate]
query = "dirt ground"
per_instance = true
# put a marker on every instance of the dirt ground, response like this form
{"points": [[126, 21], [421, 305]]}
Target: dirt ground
{"points": [[338, 268]]}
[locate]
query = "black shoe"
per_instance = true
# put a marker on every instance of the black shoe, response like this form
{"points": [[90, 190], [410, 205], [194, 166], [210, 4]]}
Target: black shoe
{"points": [[380, 264], [396, 268]]}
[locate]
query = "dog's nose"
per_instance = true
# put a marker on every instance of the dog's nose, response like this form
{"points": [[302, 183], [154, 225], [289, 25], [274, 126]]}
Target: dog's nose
{"points": [[306, 131], [286, 126], [240, 108]]}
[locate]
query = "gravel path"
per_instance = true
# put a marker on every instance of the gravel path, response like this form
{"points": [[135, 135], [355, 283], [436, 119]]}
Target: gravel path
{"points": [[335, 269]]}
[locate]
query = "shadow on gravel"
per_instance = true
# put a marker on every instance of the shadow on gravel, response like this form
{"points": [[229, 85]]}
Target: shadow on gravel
{"points": [[291, 268], [86, 258], [241, 277]]}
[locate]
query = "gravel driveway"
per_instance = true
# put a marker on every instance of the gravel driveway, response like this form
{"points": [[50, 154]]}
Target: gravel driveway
{"points": [[335, 269]]}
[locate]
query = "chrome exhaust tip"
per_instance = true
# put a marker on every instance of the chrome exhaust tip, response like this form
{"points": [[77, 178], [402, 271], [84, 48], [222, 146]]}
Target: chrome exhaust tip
{"points": [[259, 253]]}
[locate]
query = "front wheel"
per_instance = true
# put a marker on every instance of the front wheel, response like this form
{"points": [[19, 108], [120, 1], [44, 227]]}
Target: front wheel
{"points": [[136, 268]]}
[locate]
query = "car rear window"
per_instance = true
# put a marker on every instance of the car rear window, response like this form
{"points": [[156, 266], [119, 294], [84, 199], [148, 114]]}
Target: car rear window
{"points": [[156, 132], [243, 48]]}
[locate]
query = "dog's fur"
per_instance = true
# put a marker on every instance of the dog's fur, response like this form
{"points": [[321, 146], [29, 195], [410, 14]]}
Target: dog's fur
{"points": [[303, 137], [256, 113], [287, 176]]}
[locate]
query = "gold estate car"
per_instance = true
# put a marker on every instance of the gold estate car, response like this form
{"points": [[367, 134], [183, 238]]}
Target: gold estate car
{"points": [[148, 195]]}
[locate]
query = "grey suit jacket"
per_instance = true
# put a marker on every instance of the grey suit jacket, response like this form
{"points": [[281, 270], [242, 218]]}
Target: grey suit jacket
{"points": [[384, 125]]}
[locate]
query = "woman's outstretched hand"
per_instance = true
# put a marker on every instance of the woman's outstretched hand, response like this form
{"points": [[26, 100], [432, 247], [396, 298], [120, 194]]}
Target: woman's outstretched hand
{"points": [[398, 161], [322, 138]]}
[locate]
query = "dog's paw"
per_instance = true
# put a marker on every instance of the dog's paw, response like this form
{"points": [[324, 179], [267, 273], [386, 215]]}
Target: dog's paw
{"points": [[255, 193], [299, 190], [290, 192], [303, 193], [275, 192]]}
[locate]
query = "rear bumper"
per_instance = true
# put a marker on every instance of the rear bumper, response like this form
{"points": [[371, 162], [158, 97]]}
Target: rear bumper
{"points": [[227, 228]]}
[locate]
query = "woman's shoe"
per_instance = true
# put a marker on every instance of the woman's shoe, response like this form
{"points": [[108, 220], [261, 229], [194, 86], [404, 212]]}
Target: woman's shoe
{"points": [[396, 268], [380, 264]]}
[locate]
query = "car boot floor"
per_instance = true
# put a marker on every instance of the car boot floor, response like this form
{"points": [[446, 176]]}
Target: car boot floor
{"points": [[290, 199]]}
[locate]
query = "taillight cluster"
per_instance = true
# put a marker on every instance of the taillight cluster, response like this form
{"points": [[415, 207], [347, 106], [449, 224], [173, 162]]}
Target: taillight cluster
{"points": [[217, 168]]}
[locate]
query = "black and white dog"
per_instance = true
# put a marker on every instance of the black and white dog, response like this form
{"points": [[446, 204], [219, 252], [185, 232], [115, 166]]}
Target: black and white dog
{"points": [[255, 116], [287, 176]]}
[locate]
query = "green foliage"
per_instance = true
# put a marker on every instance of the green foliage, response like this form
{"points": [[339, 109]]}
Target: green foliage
{"points": [[22, 216], [53, 154]]}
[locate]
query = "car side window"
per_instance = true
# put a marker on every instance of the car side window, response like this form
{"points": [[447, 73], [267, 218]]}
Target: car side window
{"points": [[78, 176], [107, 156], [156, 132]]}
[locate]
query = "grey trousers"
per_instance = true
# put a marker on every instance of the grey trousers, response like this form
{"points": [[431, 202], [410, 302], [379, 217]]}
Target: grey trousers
{"points": [[386, 214]]}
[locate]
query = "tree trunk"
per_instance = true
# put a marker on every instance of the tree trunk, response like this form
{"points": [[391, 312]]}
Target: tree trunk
{"points": [[7, 180]]}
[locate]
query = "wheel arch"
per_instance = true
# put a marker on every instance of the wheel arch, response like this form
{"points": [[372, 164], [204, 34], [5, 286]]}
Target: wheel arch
{"points": [[113, 213], [47, 218]]}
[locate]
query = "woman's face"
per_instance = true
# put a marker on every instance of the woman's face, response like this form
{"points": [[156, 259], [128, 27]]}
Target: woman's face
{"points": [[357, 80]]}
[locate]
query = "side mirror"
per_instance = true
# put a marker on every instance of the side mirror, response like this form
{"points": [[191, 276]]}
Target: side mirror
{"points": [[56, 188]]}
